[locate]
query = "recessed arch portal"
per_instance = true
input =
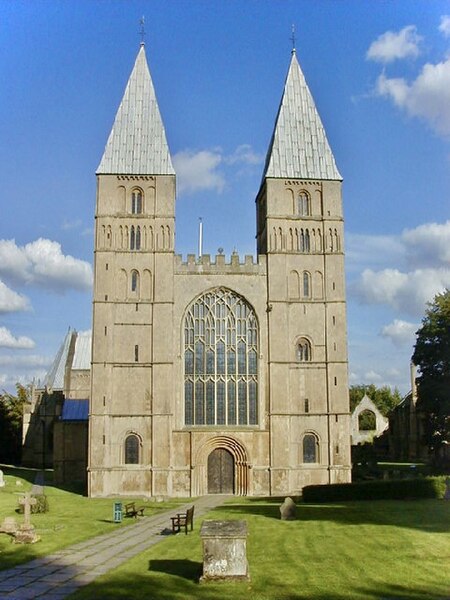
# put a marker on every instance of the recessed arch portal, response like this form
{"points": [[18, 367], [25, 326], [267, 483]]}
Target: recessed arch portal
{"points": [[241, 469]]}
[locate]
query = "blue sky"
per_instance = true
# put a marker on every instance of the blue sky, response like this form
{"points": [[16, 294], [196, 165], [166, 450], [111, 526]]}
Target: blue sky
{"points": [[380, 76]]}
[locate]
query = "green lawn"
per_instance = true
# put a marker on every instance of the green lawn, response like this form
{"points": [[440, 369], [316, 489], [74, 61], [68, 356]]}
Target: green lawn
{"points": [[355, 550], [71, 518]]}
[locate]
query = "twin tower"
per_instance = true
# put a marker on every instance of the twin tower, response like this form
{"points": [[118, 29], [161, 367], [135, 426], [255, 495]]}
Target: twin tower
{"points": [[211, 376]]}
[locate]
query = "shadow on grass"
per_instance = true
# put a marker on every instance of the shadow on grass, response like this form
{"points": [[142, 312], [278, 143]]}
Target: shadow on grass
{"points": [[425, 515], [162, 584], [188, 569], [32, 475]]}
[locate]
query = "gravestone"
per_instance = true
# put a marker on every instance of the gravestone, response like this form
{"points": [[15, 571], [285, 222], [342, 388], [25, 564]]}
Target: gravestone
{"points": [[9, 525], [288, 510], [38, 485], [2, 480], [224, 551], [447, 489], [26, 533]]}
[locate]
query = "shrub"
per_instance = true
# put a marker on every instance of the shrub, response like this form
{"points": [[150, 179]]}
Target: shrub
{"points": [[41, 505], [394, 489]]}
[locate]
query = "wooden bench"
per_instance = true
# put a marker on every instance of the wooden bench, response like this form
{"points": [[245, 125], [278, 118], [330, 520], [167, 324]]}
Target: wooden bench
{"points": [[183, 520], [132, 511]]}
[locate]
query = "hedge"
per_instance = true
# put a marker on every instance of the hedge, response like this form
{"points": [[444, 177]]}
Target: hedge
{"points": [[393, 489]]}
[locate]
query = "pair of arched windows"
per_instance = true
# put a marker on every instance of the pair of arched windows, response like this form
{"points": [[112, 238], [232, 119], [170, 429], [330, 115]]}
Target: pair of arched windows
{"points": [[303, 350], [135, 238], [136, 202], [303, 204]]}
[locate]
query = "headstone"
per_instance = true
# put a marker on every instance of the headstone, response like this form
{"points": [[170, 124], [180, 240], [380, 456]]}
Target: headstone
{"points": [[26, 533], [38, 485], [288, 510], [2, 480], [9, 525], [224, 551], [447, 489]]}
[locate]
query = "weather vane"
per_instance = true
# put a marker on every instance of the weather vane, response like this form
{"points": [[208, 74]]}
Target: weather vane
{"points": [[142, 31], [293, 38]]}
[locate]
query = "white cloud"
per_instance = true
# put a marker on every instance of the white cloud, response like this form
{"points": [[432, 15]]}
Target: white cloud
{"points": [[376, 251], [209, 169], [427, 97], [75, 224], [28, 361], [405, 292], [428, 245], [197, 171], [444, 27], [11, 301], [401, 333], [393, 45], [42, 263], [246, 155], [7, 340], [372, 377]]}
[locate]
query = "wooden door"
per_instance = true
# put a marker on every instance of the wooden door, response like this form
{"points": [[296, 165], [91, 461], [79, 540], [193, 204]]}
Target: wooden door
{"points": [[220, 472]]}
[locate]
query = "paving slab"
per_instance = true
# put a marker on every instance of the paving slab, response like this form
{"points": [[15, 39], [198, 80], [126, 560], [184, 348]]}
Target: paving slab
{"points": [[58, 575]]}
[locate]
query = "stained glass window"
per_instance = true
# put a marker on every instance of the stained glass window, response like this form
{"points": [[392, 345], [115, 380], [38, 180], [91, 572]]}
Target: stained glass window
{"points": [[310, 448], [132, 444], [221, 361]]}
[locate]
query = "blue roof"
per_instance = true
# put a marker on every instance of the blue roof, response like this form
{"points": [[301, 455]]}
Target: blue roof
{"points": [[75, 410]]}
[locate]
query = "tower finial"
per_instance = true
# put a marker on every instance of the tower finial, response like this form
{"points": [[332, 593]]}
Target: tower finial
{"points": [[142, 31], [293, 38]]}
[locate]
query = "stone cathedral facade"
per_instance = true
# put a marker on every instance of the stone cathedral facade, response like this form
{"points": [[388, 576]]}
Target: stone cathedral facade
{"points": [[208, 375]]}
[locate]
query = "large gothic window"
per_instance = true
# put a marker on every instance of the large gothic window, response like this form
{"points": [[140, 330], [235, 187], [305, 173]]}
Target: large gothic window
{"points": [[220, 361]]}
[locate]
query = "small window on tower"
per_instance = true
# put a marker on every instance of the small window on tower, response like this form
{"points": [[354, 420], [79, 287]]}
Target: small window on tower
{"points": [[303, 204], [303, 350], [134, 281], [136, 202]]}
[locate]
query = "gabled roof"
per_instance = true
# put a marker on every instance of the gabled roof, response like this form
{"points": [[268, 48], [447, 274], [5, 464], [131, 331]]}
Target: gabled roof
{"points": [[137, 144], [82, 355], [299, 148], [74, 353], [54, 378]]}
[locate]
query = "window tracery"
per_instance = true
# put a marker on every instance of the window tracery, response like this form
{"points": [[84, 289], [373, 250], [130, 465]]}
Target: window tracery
{"points": [[220, 361]]}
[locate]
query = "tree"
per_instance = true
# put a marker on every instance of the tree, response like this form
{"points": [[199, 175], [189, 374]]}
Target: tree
{"points": [[11, 415], [432, 357], [384, 398]]}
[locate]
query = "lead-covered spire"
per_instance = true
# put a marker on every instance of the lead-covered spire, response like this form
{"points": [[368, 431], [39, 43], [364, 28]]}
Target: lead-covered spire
{"points": [[137, 144], [299, 148]]}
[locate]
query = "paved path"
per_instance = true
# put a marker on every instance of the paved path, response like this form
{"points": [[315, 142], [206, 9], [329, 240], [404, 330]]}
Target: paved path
{"points": [[57, 575]]}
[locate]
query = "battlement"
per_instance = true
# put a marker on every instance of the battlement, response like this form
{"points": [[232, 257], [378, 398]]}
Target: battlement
{"points": [[219, 265]]}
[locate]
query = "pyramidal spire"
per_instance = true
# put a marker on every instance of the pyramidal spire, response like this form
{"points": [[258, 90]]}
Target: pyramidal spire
{"points": [[137, 144], [299, 148]]}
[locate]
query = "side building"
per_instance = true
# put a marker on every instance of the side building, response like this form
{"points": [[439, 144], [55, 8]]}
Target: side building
{"points": [[54, 432], [208, 375]]}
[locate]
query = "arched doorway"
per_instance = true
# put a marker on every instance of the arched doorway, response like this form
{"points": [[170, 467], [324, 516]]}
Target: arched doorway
{"points": [[220, 472]]}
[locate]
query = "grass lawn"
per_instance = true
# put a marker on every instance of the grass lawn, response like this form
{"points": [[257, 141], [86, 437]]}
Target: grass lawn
{"points": [[71, 518], [380, 550]]}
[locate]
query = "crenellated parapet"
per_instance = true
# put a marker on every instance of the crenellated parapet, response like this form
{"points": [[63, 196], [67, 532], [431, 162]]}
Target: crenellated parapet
{"points": [[219, 264]]}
